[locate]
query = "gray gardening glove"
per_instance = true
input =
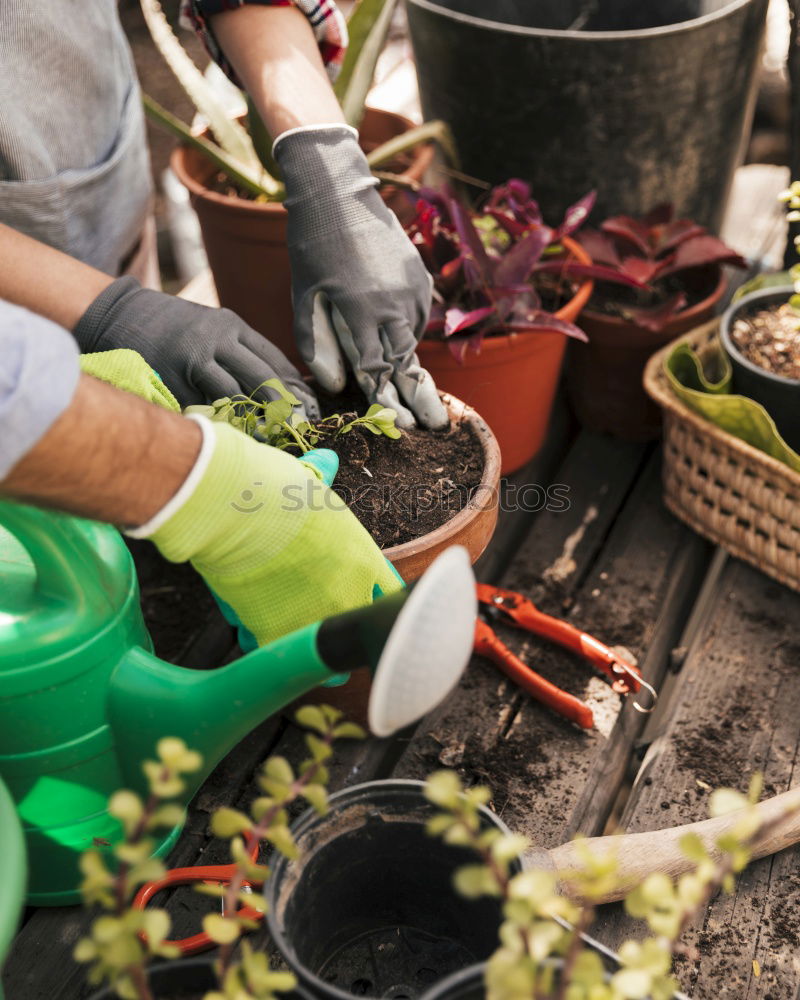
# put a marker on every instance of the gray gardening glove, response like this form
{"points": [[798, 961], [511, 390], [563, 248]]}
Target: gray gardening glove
{"points": [[201, 354], [360, 289]]}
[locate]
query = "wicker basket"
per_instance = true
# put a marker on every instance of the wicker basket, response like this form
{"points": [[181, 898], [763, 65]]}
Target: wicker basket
{"points": [[723, 488]]}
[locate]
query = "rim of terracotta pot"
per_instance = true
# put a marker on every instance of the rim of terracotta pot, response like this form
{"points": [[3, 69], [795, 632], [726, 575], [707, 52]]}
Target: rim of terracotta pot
{"points": [[569, 312], [180, 163], [484, 498], [583, 36], [687, 316]]}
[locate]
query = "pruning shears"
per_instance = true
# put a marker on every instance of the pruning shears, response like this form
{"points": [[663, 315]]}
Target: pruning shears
{"points": [[515, 609]]}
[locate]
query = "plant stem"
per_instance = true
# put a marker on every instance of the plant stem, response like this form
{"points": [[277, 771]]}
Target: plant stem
{"points": [[436, 131], [140, 983], [255, 835]]}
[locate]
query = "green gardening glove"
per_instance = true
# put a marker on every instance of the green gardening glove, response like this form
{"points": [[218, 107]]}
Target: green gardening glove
{"points": [[268, 536], [128, 371]]}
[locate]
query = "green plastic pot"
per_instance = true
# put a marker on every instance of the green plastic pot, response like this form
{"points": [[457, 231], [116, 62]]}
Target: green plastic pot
{"points": [[12, 851]]}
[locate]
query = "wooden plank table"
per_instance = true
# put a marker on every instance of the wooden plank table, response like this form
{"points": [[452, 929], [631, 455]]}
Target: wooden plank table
{"points": [[721, 641]]}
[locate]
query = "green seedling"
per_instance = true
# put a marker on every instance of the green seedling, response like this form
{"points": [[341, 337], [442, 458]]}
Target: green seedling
{"points": [[277, 423]]}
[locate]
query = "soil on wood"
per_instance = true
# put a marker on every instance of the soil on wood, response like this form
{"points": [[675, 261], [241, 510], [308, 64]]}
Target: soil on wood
{"points": [[176, 603], [696, 284], [401, 489], [770, 338]]}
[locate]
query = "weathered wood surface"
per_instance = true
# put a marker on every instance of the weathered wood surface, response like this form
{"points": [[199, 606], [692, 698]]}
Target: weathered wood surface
{"points": [[619, 566], [735, 710]]}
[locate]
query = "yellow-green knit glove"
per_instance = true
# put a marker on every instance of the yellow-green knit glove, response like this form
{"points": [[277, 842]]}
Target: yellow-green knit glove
{"points": [[129, 371], [268, 536]]}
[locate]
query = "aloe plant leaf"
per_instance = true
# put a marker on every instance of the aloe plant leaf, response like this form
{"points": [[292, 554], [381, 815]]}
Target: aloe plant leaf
{"points": [[230, 135], [261, 139], [435, 130], [368, 27], [237, 173]]}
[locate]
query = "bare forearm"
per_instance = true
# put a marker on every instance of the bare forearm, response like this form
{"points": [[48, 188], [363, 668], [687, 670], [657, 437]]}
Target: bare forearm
{"points": [[45, 280], [109, 456], [276, 57]]}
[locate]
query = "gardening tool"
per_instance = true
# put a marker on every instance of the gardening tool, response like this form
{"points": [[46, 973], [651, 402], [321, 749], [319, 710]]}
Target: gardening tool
{"points": [[83, 700], [515, 609], [641, 854]]}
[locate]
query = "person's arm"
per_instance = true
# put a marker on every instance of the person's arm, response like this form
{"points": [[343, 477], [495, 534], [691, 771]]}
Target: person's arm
{"points": [[201, 354], [361, 293], [46, 281], [109, 456], [278, 62]]}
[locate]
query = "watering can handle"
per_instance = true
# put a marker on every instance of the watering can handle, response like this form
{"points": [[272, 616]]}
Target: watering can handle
{"points": [[60, 550]]}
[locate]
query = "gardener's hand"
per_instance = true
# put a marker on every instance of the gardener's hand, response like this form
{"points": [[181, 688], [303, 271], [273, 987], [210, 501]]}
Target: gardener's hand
{"points": [[269, 537], [361, 292], [201, 354]]}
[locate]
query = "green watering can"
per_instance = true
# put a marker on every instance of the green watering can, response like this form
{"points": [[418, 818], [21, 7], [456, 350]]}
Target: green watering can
{"points": [[12, 889], [83, 700]]}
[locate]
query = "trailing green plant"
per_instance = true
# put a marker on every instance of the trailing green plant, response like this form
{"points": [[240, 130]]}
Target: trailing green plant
{"points": [[245, 154], [542, 954], [123, 940], [276, 423]]}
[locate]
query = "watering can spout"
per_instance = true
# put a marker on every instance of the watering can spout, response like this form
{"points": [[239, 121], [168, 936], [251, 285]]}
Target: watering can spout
{"points": [[416, 644]]}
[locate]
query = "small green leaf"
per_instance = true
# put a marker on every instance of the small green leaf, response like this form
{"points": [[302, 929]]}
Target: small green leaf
{"points": [[317, 798], [311, 717], [443, 789], [349, 731], [283, 841], [279, 769], [724, 801], [220, 929]]}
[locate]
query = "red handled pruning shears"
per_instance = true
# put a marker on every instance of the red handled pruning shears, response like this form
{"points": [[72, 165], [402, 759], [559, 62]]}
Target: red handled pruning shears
{"points": [[515, 609]]}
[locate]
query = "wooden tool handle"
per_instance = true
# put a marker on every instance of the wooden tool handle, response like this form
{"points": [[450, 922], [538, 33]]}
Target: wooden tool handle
{"points": [[641, 854]]}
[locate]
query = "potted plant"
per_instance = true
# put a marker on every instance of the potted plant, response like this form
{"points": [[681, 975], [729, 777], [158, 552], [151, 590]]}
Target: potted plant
{"points": [[233, 181], [761, 336], [679, 267], [417, 492], [573, 94], [369, 906], [501, 315]]}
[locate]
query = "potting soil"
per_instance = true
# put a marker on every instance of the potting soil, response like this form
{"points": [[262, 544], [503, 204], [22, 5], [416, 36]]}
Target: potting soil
{"points": [[403, 488], [770, 338]]}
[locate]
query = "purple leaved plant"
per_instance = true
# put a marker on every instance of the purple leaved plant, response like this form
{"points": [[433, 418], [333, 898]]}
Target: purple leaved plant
{"points": [[490, 266], [652, 250]]}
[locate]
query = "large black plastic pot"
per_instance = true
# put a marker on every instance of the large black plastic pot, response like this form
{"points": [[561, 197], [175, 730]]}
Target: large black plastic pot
{"points": [[779, 396], [464, 985], [650, 101], [369, 909], [189, 979]]}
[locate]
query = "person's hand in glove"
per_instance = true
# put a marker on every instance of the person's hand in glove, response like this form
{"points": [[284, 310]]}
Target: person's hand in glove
{"points": [[360, 290], [201, 354], [268, 536]]}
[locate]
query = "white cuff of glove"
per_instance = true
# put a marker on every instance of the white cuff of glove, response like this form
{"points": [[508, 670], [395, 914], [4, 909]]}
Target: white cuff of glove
{"points": [[314, 128], [188, 486]]}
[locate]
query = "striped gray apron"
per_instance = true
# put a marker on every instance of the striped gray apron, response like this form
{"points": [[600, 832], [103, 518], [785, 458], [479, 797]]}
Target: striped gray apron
{"points": [[74, 166]]}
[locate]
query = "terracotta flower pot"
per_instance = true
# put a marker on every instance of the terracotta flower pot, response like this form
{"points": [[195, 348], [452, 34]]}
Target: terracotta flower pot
{"points": [[512, 381], [604, 376], [246, 240], [472, 527]]}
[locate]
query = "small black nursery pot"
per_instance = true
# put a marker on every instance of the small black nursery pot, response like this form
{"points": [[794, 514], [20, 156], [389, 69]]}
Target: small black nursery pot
{"points": [[369, 909], [780, 396]]}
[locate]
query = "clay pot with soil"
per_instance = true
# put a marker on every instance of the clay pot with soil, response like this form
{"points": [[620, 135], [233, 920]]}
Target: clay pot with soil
{"points": [[369, 909], [678, 268], [761, 336], [502, 310], [246, 239]]}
